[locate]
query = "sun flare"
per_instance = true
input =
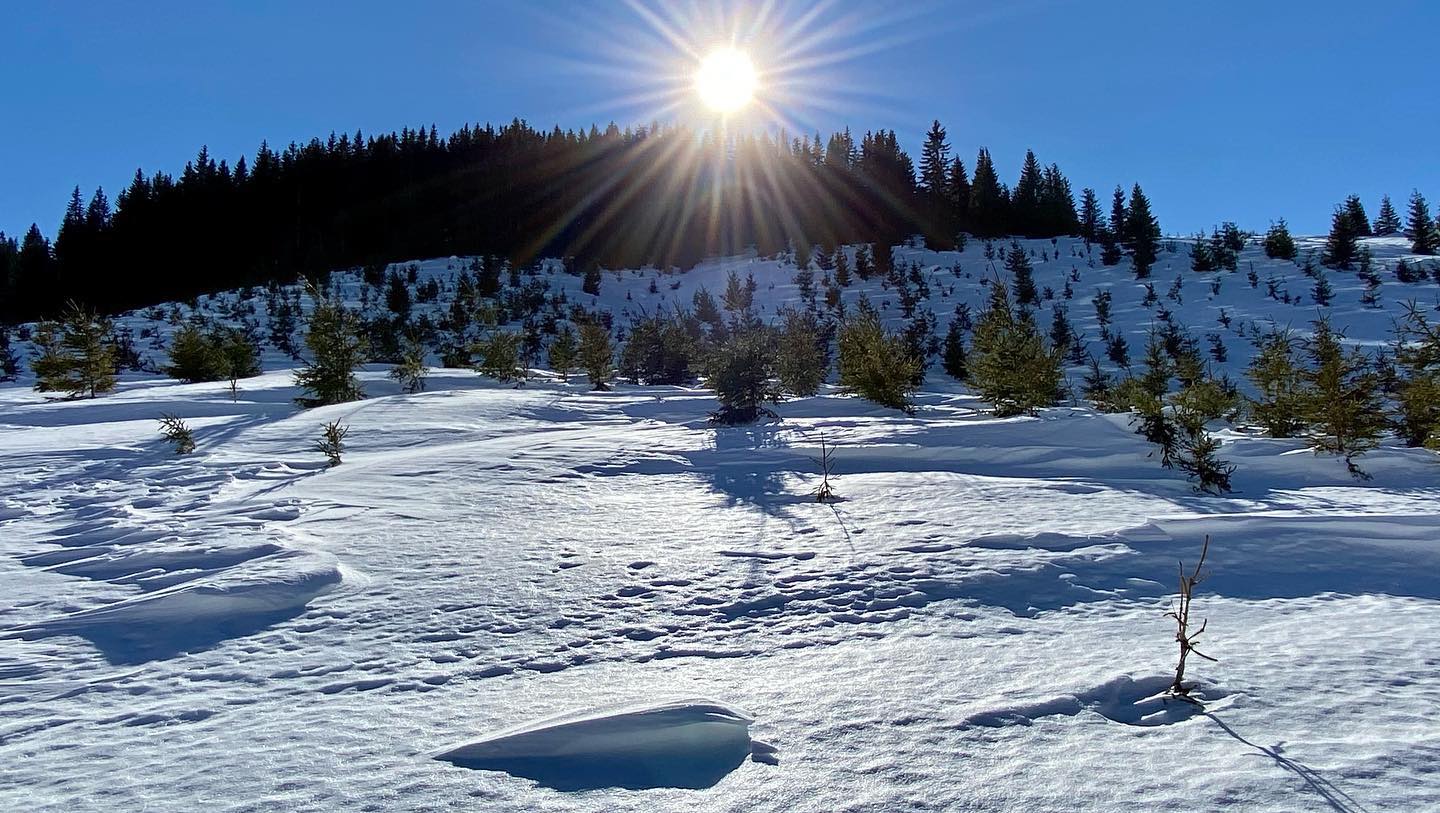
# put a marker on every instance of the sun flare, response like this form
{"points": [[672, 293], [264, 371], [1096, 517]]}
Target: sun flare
{"points": [[726, 80]]}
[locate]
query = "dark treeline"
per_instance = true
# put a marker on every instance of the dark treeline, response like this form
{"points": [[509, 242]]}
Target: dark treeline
{"points": [[661, 195]]}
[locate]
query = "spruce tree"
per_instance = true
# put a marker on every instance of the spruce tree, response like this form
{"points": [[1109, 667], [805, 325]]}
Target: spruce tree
{"points": [[1359, 221], [988, 201], [954, 357], [76, 356], [1119, 215], [842, 268], [1322, 293], [1017, 262], [1342, 246], [1343, 404], [1091, 224], [1009, 364], [742, 374], [875, 364], [337, 349], [563, 353], [1279, 245], [1143, 232], [801, 358], [410, 371], [9, 362], [1388, 222], [597, 356], [1417, 388], [1424, 235]]}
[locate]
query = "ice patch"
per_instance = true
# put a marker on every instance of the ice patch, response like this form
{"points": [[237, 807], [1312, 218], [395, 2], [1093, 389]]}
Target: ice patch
{"points": [[682, 744]]}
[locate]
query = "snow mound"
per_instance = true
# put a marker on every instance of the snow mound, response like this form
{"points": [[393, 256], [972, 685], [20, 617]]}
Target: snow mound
{"points": [[682, 744], [199, 613]]}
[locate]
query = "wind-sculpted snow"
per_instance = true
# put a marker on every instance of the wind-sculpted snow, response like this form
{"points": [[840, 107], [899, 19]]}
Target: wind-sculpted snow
{"points": [[682, 744], [976, 625]]}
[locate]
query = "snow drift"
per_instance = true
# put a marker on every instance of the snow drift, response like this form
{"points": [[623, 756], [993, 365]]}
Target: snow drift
{"points": [[683, 744]]}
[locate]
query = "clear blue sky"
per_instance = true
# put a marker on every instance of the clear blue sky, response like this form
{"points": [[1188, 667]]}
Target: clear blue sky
{"points": [[1221, 110]]}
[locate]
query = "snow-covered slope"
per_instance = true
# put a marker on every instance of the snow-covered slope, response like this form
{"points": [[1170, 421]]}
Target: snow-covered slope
{"points": [[977, 626]]}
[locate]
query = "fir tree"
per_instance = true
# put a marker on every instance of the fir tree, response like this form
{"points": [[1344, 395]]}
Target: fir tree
{"points": [[954, 357], [597, 356], [1417, 388], [1359, 221], [874, 364], [9, 362], [1017, 262], [1388, 222], [1010, 366], [742, 375], [410, 371], [76, 357], [564, 352], [1342, 407], [337, 349], [1342, 246], [801, 360], [1279, 245], [1279, 405], [1424, 235], [842, 268], [1119, 216], [988, 203], [1143, 233], [1091, 224]]}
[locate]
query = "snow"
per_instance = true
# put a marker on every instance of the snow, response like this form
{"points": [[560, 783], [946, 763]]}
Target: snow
{"points": [[978, 625], [683, 744]]}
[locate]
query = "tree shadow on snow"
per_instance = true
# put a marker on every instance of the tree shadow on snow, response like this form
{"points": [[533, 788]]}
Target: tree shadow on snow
{"points": [[1336, 798]]}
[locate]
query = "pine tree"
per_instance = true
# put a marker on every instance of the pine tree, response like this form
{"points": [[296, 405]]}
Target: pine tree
{"points": [[1343, 407], [802, 360], [1119, 215], [1359, 221], [874, 364], [1091, 224], [1143, 232], [1017, 262], [9, 362], [1025, 212], [1342, 246], [1388, 222], [590, 282], [410, 371], [1424, 235], [564, 352], [1322, 293], [742, 374], [987, 213], [1201, 258], [941, 223], [1010, 366], [1279, 245], [1417, 389], [76, 357], [597, 356], [954, 357], [337, 349], [842, 268]]}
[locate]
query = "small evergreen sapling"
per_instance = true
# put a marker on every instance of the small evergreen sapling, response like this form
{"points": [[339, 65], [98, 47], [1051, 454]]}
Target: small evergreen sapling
{"points": [[563, 353], [742, 375], [410, 371], [337, 349], [802, 360], [178, 433], [332, 441], [1343, 403], [75, 356], [597, 356], [874, 364]]}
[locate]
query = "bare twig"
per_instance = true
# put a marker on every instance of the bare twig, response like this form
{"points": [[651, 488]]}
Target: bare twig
{"points": [[1181, 614]]}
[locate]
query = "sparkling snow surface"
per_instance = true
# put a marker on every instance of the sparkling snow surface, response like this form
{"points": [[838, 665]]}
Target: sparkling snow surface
{"points": [[550, 574]]}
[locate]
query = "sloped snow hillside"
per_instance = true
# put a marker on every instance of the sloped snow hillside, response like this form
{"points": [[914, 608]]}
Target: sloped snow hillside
{"points": [[547, 598]]}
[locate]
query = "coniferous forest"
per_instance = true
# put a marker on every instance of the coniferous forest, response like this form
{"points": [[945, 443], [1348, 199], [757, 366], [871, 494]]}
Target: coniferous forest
{"points": [[615, 198]]}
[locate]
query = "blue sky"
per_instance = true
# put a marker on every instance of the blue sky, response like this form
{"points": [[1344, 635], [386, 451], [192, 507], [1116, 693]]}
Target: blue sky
{"points": [[1222, 110]]}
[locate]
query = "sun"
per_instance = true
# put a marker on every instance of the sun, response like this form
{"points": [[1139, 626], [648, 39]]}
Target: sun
{"points": [[726, 80]]}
